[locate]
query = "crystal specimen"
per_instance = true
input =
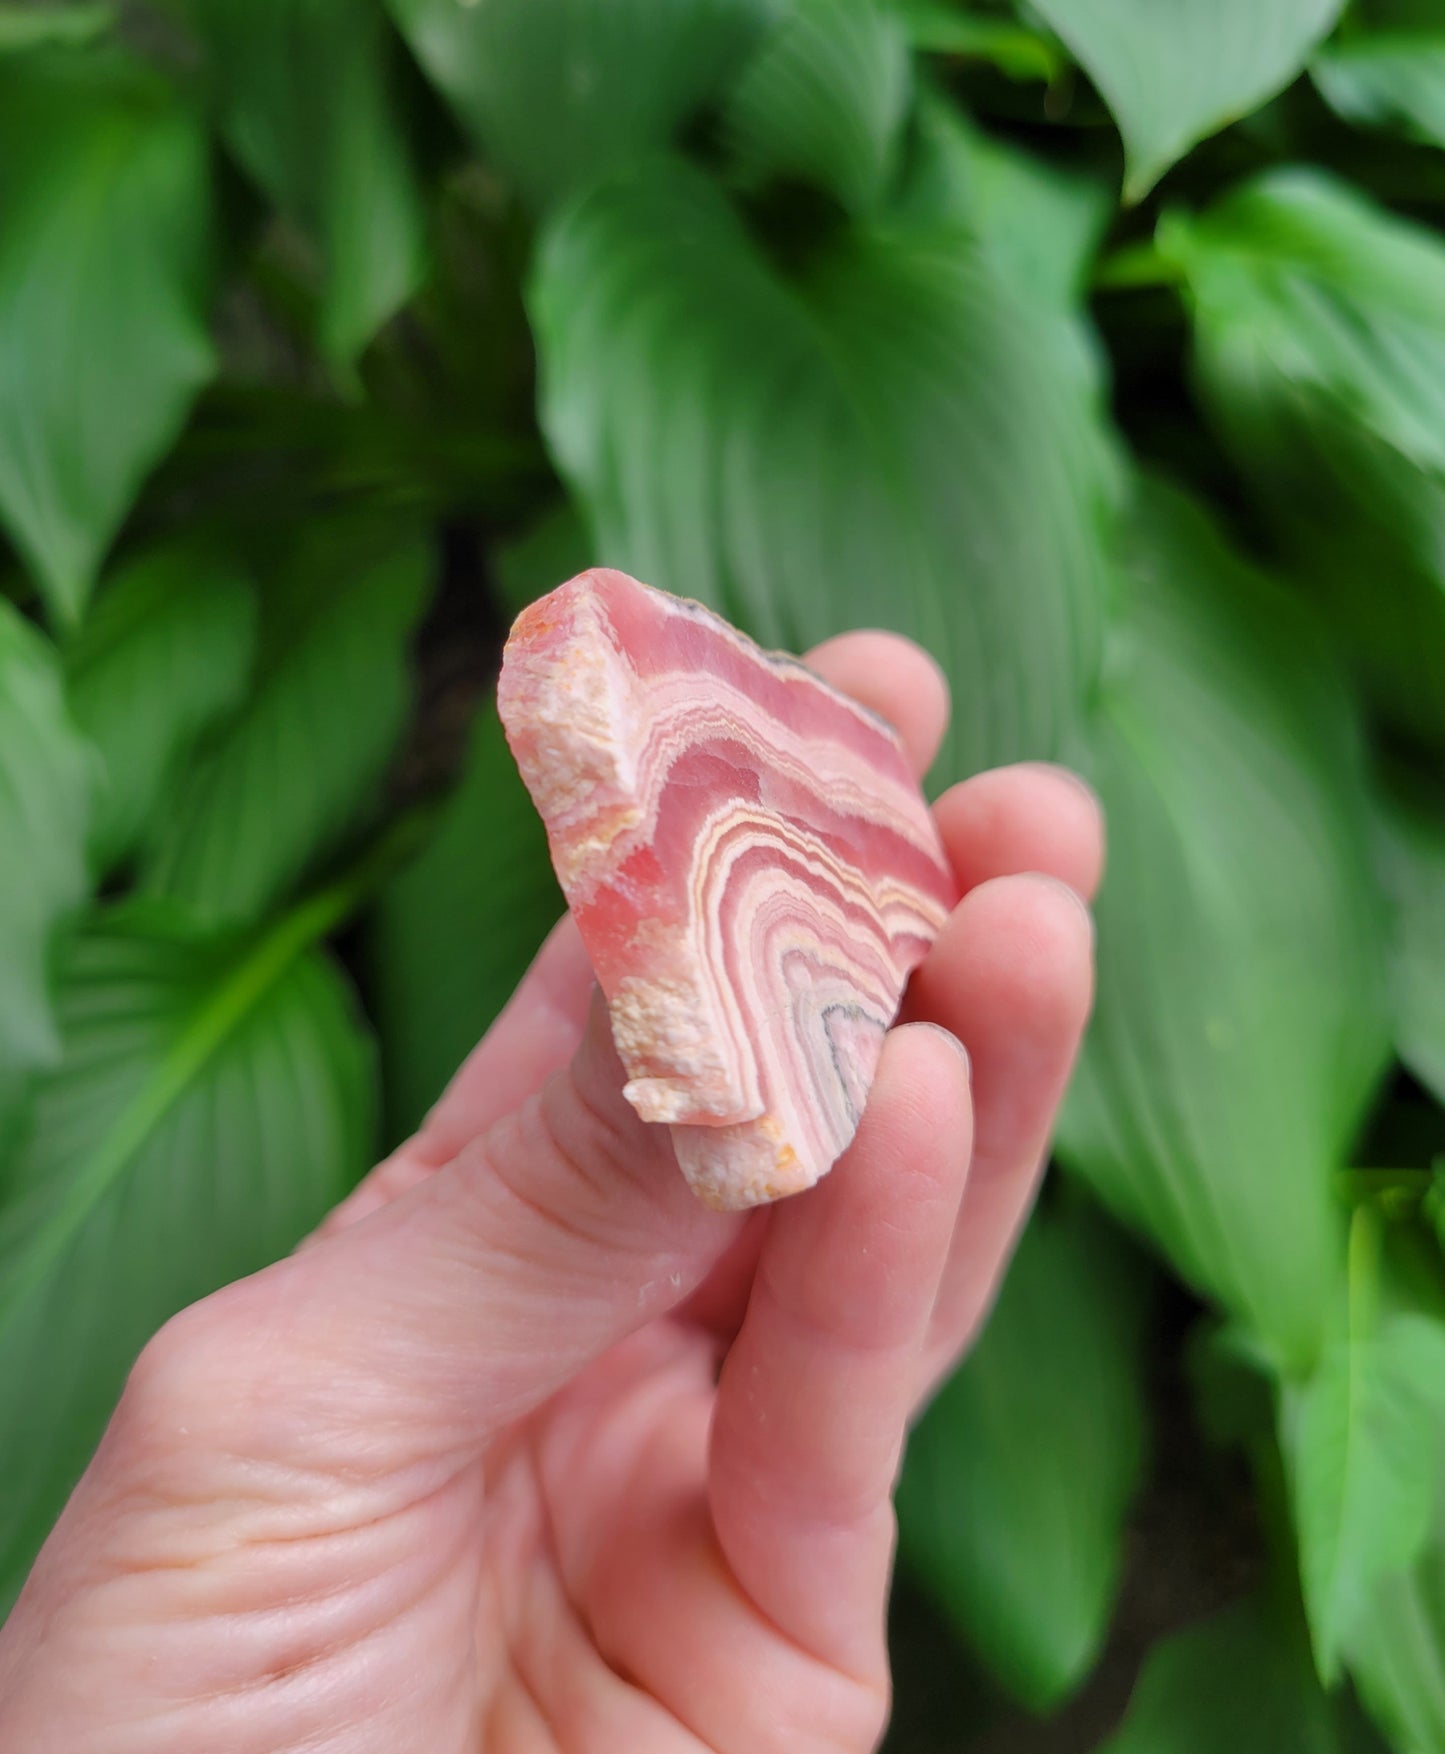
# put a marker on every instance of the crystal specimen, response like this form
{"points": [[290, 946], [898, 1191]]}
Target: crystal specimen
{"points": [[749, 860]]}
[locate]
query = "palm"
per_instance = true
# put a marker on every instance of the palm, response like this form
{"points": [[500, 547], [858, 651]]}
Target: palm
{"points": [[530, 1451], [567, 1591], [610, 1616]]}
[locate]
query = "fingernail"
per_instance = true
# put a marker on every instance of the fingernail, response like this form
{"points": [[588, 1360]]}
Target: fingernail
{"points": [[956, 1045], [1057, 883]]}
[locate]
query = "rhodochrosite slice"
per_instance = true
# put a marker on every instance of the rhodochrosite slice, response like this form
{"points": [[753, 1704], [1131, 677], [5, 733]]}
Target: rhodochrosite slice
{"points": [[749, 860]]}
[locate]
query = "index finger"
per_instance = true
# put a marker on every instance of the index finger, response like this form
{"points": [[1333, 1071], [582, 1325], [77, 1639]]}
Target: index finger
{"points": [[897, 679]]}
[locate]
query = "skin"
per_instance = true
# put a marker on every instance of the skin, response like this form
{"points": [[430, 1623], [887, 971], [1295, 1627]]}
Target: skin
{"points": [[526, 1450]]}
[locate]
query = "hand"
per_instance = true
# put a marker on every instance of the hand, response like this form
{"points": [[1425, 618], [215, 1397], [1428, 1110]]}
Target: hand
{"points": [[527, 1450]]}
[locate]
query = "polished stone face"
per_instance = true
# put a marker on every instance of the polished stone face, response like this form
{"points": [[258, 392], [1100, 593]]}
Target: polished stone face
{"points": [[749, 860]]}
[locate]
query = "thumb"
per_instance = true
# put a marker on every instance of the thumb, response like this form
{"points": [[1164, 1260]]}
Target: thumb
{"points": [[464, 1303]]}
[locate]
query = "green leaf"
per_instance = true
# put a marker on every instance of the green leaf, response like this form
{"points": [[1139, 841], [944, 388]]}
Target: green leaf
{"points": [[558, 96], [1015, 50], [1394, 1653], [1239, 1683], [104, 226], [1393, 1649], [1019, 1478], [294, 772], [1174, 71], [825, 99], [306, 92], [1413, 866], [452, 934], [213, 1101], [1241, 1018], [1364, 1435], [1319, 331], [30, 27], [899, 440], [1301, 283], [1393, 80], [45, 794], [1041, 225], [164, 655]]}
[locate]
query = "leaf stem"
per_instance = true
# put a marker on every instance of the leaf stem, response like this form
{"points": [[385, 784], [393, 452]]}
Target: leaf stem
{"points": [[1363, 1273]]}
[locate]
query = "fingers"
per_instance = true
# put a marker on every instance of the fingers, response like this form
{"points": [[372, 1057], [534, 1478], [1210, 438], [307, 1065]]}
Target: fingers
{"points": [[1012, 976], [816, 1390], [1030, 817], [624, 1465], [539, 1030], [536, 1032], [897, 679], [721, 1301], [1026, 818]]}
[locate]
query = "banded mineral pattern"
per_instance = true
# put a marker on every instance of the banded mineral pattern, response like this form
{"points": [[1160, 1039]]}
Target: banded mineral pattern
{"points": [[749, 860]]}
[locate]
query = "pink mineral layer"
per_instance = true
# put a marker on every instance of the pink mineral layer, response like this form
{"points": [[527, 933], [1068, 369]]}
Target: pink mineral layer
{"points": [[749, 860]]}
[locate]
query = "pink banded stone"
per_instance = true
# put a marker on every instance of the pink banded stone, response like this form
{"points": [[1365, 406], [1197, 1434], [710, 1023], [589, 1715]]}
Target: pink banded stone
{"points": [[749, 860]]}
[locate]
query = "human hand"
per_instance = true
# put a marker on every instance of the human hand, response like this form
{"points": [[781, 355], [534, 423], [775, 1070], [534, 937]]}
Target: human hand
{"points": [[527, 1450]]}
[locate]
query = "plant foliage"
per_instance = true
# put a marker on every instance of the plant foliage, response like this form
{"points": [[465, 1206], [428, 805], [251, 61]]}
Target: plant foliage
{"points": [[1097, 344]]}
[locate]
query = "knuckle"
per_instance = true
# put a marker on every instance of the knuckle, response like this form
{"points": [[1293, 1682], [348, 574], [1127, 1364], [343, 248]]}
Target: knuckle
{"points": [[189, 1379], [159, 1389]]}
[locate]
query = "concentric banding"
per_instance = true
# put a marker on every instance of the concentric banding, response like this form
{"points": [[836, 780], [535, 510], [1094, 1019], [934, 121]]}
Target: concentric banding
{"points": [[750, 863]]}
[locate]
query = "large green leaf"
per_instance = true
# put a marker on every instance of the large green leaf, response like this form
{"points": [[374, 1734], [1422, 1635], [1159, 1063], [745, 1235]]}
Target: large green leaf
{"points": [[1394, 79], [557, 93], [1173, 71], [46, 780], [1365, 1435], [1241, 1021], [104, 222], [296, 769], [212, 1102], [1041, 224], [27, 26], [1240, 1683], [899, 440], [1413, 865], [164, 654], [1395, 1652], [1319, 325], [1016, 49], [1393, 1647], [825, 99], [1301, 283], [1018, 1480], [306, 95], [453, 933]]}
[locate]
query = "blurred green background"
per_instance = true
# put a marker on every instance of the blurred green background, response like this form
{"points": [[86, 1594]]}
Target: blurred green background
{"points": [[1097, 344]]}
